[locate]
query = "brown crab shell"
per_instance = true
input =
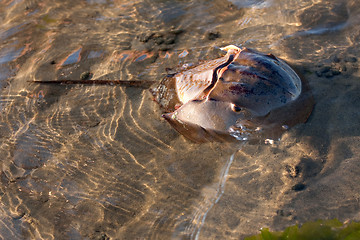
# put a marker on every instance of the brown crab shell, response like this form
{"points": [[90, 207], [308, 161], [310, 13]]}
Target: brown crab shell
{"points": [[177, 89], [243, 95]]}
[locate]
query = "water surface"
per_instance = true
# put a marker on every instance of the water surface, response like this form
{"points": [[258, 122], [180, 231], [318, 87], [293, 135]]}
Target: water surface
{"points": [[98, 162]]}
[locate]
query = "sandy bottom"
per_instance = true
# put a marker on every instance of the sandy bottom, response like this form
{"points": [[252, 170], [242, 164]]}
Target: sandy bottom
{"points": [[99, 162]]}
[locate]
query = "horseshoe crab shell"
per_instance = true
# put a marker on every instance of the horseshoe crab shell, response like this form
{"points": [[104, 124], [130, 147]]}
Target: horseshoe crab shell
{"points": [[243, 95], [178, 89]]}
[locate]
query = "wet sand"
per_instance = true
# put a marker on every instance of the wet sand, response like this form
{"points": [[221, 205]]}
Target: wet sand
{"points": [[99, 162]]}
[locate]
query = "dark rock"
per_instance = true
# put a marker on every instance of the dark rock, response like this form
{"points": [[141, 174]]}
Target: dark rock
{"points": [[23, 93], [165, 48], [160, 40], [335, 72], [213, 35], [350, 59], [328, 74], [293, 171], [85, 76], [176, 31], [170, 39], [145, 37], [298, 187], [336, 59], [283, 213], [125, 45], [231, 6], [325, 69], [342, 68], [330, 71]]}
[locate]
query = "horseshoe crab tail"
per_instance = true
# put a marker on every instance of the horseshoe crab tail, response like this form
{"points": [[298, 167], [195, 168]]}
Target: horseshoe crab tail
{"points": [[133, 83]]}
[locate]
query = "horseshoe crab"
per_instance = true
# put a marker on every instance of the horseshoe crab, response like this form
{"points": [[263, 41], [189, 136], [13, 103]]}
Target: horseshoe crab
{"points": [[245, 95]]}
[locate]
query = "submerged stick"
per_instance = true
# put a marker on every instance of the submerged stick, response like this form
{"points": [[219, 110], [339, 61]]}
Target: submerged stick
{"points": [[133, 83]]}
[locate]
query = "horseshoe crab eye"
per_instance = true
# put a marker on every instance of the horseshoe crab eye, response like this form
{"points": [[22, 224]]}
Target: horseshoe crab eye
{"points": [[235, 108]]}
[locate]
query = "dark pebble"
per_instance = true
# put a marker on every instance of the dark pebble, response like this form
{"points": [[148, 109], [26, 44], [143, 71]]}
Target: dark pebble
{"points": [[125, 45], [52, 62], [170, 39], [23, 93], [282, 213], [298, 187], [104, 237], [231, 6], [336, 59], [213, 35], [145, 37], [165, 48], [328, 74], [343, 68], [85, 75], [335, 72], [350, 59], [293, 171], [159, 40], [325, 69], [177, 31]]}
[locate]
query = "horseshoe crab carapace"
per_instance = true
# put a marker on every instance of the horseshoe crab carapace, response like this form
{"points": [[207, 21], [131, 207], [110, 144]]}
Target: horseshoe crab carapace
{"points": [[244, 95]]}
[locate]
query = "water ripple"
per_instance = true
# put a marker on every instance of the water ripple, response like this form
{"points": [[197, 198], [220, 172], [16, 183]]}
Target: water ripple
{"points": [[99, 162]]}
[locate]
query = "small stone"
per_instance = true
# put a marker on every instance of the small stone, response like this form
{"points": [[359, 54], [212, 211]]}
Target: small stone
{"points": [[156, 35], [298, 187], [104, 237], [325, 69], [52, 62], [145, 37], [125, 45], [280, 212], [335, 72], [336, 59], [159, 40], [350, 59], [85, 75], [170, 39], [213, 35], [328, 74], [285, 127], [293, 172], [23, 93], [231, 6], [165, 48], [283, 213], [177, 31]]}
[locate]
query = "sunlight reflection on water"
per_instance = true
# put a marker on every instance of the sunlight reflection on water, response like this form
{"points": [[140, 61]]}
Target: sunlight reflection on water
{"points": [[100, 162]]}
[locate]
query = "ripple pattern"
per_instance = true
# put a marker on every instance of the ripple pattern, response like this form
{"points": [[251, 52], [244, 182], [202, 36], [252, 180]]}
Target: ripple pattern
{"points": [[99, 162]]}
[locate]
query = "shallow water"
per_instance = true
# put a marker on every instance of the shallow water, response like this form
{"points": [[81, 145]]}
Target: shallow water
{"points": [[98, 162]]}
